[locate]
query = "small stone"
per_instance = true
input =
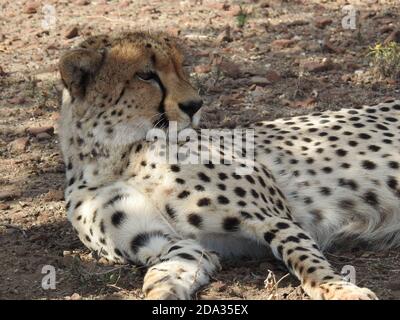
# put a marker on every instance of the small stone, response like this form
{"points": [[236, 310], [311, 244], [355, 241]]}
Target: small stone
{"points": [[323, 66], [388, 99], [258, 93], [37, 130], [322, 23], [54, 195], [9, 194], [297, 23], [393, 37], [202, 53], [19, 145], [261, 81], [230, 68], [273, 76], [71, 32], [31, 7], [216, 5], [124, 4], [248, 46], [75, 296], [4, 206], [82, 2], [282, 43], [17, 100], [327, 46], [304, 103], [386, 29], [43, 136], [202, 68], [368, 14]]}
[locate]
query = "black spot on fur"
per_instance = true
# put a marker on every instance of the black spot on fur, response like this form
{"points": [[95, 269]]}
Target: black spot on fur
{"points": [[186, 256], [222, 199], [282, 225], [203, 202], [117, 218], [268, 237], [195, 220], [171, 212], [231, 224], [142, 239]]}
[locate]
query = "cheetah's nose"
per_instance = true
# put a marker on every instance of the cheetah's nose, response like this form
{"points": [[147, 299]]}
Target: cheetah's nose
{"points": [[191, 107]]}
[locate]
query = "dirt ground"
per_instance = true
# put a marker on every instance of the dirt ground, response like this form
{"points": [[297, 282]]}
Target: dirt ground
{"points": [[251, 60]]}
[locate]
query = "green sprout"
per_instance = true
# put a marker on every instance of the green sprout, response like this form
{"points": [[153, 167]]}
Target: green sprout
{"points": [[241, 18], [386, 59]]}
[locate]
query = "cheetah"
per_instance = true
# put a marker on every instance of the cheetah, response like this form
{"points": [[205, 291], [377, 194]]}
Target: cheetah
{"points": [[316, 180]]}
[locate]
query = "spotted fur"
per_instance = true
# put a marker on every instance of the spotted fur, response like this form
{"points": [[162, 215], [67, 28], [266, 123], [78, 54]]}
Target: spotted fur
{"points": [[317, 180]]}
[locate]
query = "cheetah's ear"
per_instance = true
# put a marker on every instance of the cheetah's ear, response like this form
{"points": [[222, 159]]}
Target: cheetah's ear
{"points": [[77, 69]]}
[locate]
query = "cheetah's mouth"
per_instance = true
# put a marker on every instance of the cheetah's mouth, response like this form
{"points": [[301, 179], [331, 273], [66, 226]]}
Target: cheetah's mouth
{"points": [[163, 123]]}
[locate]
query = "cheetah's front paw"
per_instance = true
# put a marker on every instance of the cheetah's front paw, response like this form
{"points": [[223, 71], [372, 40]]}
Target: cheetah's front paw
{"points": [[174, 280], [342, 290], [165, 284]]}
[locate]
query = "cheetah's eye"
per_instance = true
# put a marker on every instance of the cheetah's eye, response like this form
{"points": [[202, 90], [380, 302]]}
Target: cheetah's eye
{"points": [[146, 76]]}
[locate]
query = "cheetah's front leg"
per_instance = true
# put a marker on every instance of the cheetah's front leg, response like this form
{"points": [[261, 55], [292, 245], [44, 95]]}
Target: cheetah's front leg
{"points": [[122, 225], [303, 258]]}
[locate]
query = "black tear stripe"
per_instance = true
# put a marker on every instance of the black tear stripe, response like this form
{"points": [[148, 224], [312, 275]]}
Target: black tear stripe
{"points": [[120, 96], [161, 122], [141, 239]]}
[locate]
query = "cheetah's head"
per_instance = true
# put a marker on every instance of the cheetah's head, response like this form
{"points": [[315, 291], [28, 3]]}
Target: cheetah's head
{"points": [[126, 85]]}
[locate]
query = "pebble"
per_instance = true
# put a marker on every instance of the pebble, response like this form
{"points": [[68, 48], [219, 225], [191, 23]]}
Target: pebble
{"points": [[322, 23], [34, 131], [82, 2], [17, 100], [43, 136], [282, 43], [71, 32], [202, 68], [393, 37], [54, 195], [31, 7], [4, 206], [273, 76], [323, 66], [261, 81], [19, 145], [9, 194], [75, 296], [230, 68]]}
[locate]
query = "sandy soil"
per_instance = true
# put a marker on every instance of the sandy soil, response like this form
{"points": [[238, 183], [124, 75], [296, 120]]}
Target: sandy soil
{"points": [[268, 59]]}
